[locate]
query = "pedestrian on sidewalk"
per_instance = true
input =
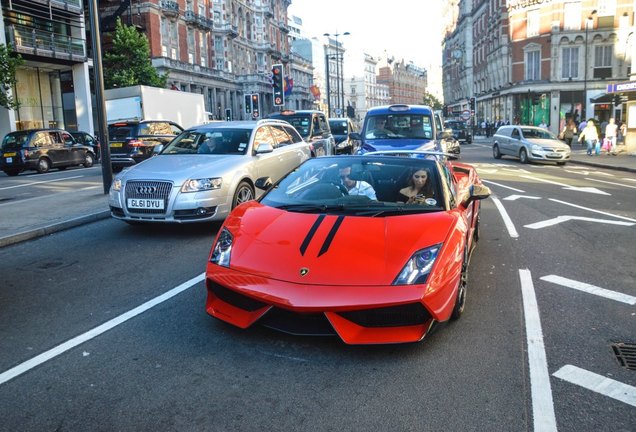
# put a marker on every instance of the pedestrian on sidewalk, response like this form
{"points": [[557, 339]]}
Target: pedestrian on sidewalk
{"points": [[568, 132], [590, 135], [611, 134]]}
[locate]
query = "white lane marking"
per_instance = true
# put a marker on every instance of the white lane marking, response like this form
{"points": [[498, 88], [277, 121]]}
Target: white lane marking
{"points": [[568, 187], [611, 183], [503, 186], [542, 404], [512, 231], [516, 197], [516, 170], [561, 219], [590, 172], [592, 210], [598, 383], [629, 179], [590, 289], [39, 182], [77, 340]]}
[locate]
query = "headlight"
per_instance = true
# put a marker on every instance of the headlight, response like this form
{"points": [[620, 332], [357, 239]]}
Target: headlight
{"points": [[198, 185], [116, 186], [536, 148], [417, 269], [222, 248]]}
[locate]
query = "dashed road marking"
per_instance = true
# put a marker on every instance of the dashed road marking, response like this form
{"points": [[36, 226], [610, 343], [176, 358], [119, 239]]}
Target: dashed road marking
{"points": [[561, 219], [592, 210], [503, 186], [590, 289], [512, 231], [598, 383]]}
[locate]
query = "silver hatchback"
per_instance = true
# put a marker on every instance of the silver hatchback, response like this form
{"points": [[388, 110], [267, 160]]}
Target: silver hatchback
{"points": [[206, 171], [529, 143]]}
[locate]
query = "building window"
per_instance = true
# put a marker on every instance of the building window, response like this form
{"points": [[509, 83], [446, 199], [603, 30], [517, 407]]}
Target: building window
{"points": [[203, 49], [570, 62], [191, 46], [603, 56], [572, 16], [533, 23], [533, 65]]}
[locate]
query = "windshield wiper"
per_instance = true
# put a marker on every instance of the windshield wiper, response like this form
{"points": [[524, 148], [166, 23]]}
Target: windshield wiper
{"points": [[311, 207]]}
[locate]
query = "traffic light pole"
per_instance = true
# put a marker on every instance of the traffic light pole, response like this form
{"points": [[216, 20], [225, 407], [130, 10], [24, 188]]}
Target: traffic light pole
{"points": [[328, 85]]}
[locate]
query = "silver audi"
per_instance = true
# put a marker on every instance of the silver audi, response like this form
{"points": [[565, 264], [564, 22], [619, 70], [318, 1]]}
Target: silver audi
{"points": [[206, 171]]}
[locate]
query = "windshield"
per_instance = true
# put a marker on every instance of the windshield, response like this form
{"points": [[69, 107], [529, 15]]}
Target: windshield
{"points": [[371, 186], [14, 140], [120, 132], [301, 123], [399, 126], [455, 125], [537, 133], [338, 127], [210, 141]]}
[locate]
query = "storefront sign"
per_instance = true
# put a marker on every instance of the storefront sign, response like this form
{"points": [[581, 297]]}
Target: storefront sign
{"points": [[621, 87], [514, 5]]}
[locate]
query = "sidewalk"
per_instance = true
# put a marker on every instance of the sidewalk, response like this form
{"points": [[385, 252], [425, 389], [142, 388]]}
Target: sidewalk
{"points": [[37, 217]]}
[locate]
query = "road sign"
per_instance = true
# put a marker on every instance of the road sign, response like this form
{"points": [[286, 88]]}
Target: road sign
{"points": [[338, 112], [466, 115]]}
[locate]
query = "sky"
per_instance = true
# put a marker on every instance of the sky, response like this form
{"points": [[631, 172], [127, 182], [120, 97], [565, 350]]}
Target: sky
{"points": [[405, 29]]}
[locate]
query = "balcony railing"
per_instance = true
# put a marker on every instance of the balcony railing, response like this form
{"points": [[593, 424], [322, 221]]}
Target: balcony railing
{"points": [[38, 42], [168, 63], [231, 30], [169, 8]]}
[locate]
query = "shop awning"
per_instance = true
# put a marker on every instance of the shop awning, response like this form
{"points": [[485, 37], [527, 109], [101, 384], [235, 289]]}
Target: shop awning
{"points": [[603, 98]]}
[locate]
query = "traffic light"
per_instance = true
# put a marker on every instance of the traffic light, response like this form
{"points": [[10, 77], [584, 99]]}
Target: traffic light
{"points": [[256, 112], [472, 104], [248, 104], [536, 98], [278, 85]]}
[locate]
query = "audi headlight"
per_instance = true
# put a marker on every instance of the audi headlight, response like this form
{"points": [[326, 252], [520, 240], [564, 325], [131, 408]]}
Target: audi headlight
{"points": [[116, 186], [418, 268], [198, 185], [222, 249]]}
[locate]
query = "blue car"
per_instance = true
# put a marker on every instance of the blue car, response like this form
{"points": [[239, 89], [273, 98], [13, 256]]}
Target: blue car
{"points": [[404, 127]]}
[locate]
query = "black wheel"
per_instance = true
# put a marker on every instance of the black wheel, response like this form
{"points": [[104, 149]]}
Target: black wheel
{"points": [[495, 152], [243, 193], [12, 173], [460, 300], [43, 165], [561, 163], [523, 156], [477, 232], [62, 168], [89, 161]]}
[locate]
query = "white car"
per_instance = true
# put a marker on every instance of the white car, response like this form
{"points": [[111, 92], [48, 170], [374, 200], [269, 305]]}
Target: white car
{"points": [[206, 171], [529, 143]]}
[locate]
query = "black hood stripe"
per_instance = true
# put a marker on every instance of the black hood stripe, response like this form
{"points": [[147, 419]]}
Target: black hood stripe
{"points": [[310, 234], [331, 235]]}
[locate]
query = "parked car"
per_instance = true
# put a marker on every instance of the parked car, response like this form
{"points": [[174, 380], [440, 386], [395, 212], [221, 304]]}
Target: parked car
{"points": [[313, 127], [341, 128], [41, 150], [403, 128], [88, 140], [133, 141], [206, 171], [370, 271], [529, 143], [460, 131]]}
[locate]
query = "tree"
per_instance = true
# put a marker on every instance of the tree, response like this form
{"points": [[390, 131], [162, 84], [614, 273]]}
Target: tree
{"points": [[9, 62], [432, 101], [128, 62]]}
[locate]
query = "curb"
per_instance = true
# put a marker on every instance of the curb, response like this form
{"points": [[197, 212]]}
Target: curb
{"points": [[600, 165], [50, 229]]}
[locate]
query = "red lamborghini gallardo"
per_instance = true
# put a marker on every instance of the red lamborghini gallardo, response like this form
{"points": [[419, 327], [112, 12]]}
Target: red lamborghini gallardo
{"points": [[355, 246]]}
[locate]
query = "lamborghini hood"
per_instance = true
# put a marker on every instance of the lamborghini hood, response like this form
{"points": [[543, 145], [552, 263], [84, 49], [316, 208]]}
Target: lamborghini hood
{"points": [[318, 249]]}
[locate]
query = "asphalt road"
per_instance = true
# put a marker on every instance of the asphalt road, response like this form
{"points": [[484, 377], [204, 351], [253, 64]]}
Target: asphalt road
{"points": [[507, 365]]}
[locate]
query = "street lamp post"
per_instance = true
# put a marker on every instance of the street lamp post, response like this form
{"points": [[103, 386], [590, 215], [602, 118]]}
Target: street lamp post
{"points": [[339, 83], [587, 25]]}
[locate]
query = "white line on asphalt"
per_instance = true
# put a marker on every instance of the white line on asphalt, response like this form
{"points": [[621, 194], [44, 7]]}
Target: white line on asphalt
{"points": [[611, 183], [39, 182], [561, 219], [516, 197], [568, 187], [629, 179], [598, 383], [592, 210], [591, 289], [542, 404], [512, 231], [77, 340], [503, 186]]}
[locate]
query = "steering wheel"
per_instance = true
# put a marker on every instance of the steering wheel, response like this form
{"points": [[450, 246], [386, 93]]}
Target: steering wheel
{"points": [[341, 188]]}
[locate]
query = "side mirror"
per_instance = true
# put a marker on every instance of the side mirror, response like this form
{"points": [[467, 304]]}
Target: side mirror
{"points": [[157, 149], [355, 136], [477, 192], [263, 183], [264, 148]]}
